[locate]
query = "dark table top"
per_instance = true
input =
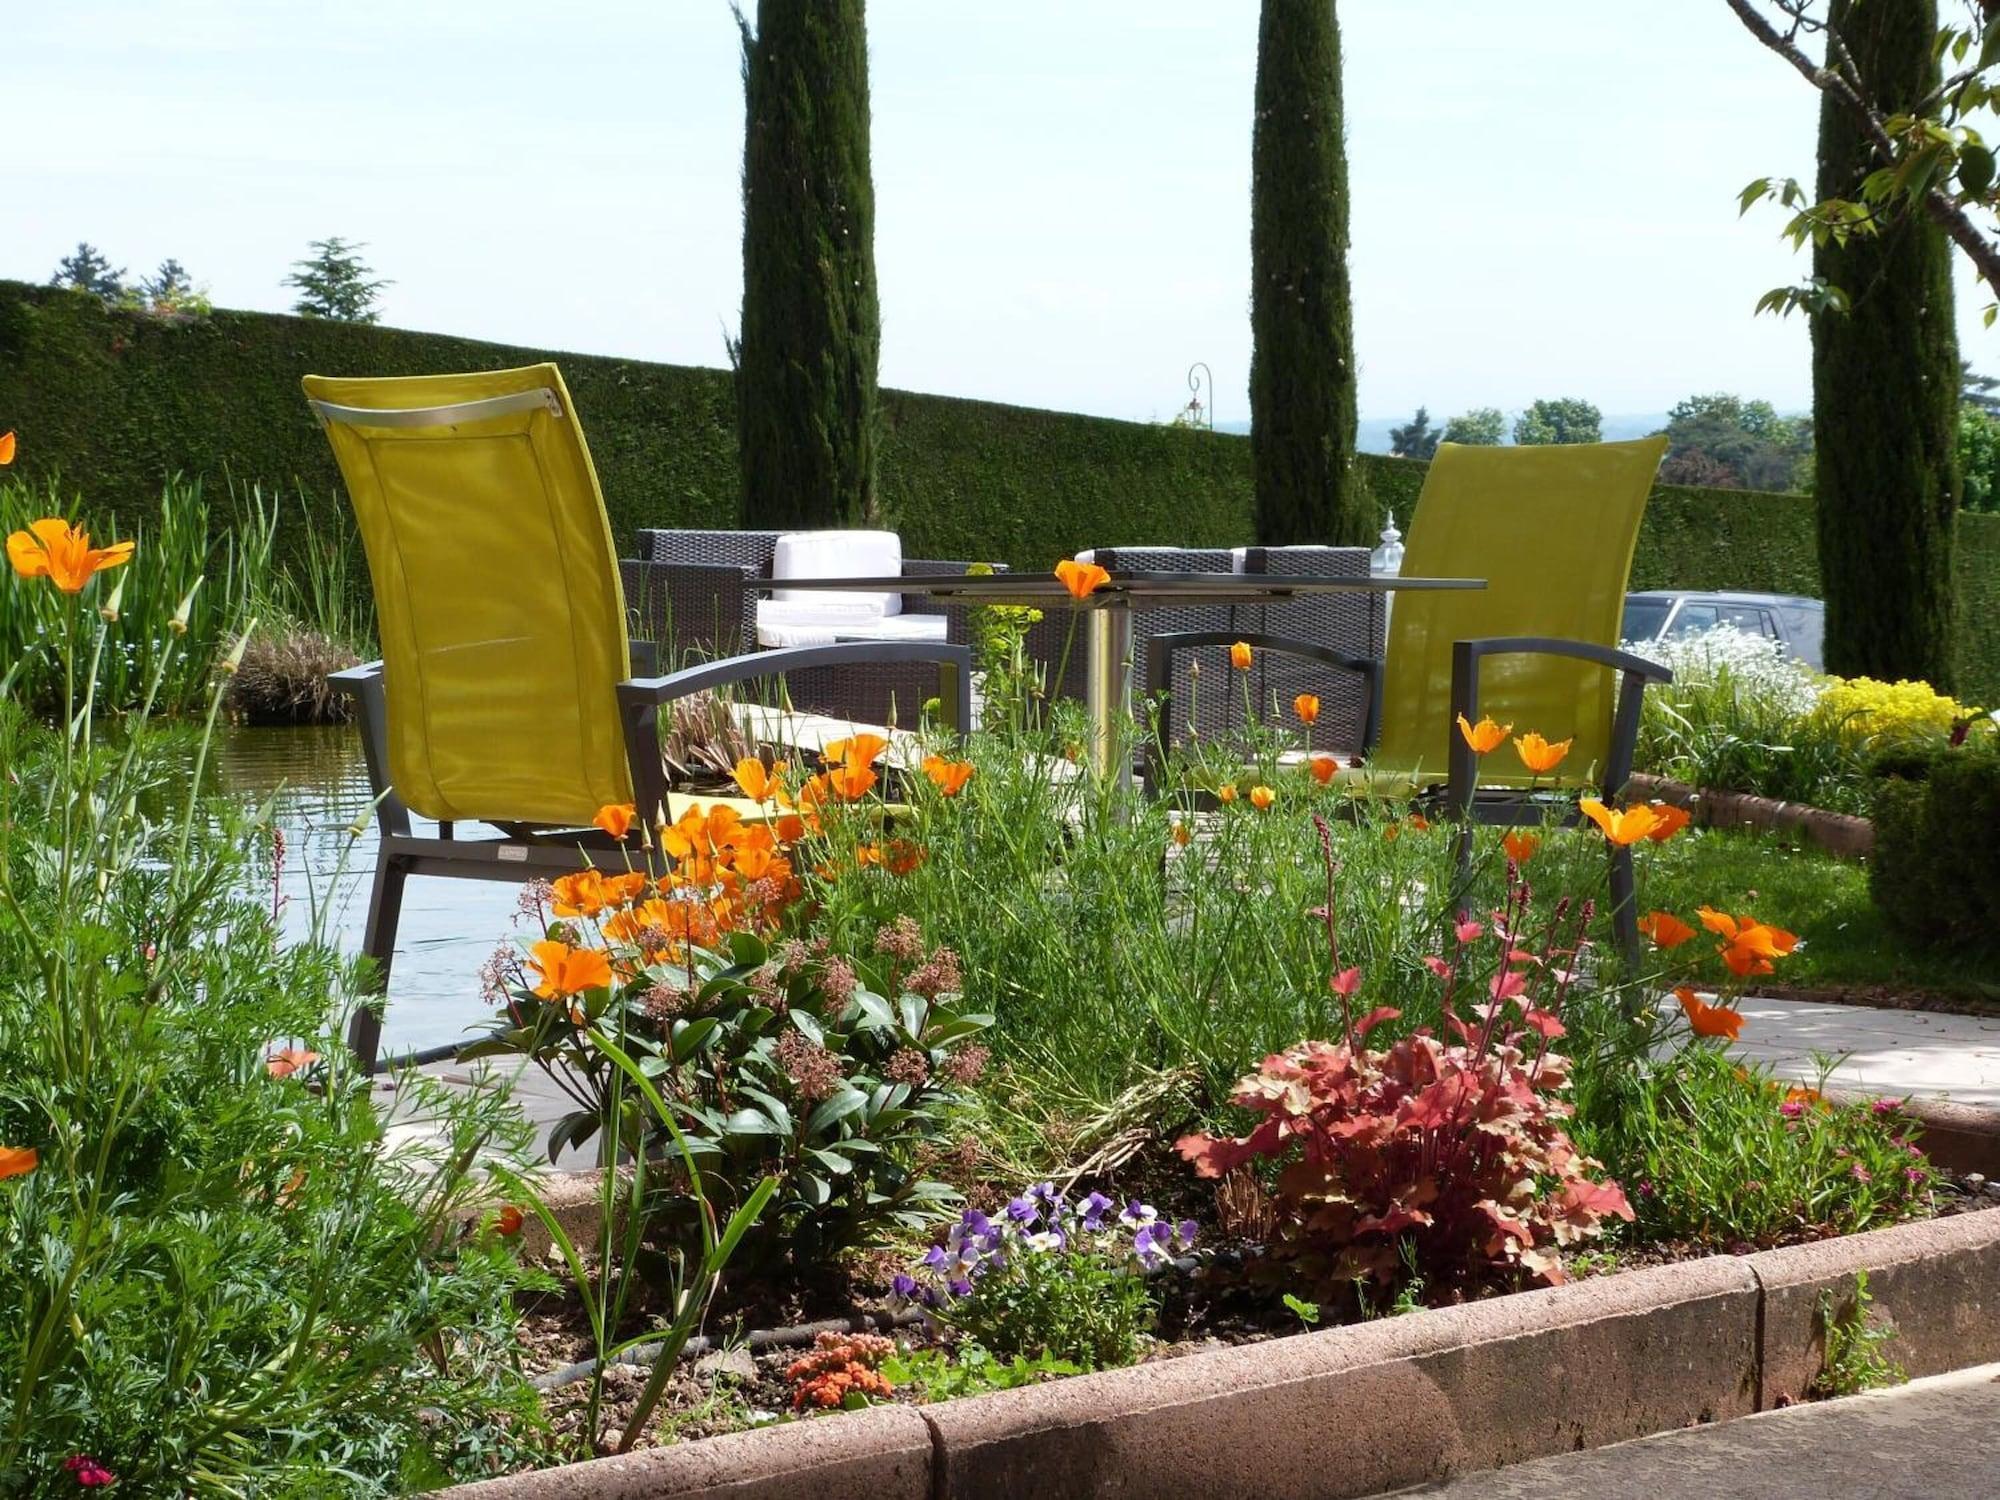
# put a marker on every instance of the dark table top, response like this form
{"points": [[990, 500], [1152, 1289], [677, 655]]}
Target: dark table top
{"points": [[1125, 589]]}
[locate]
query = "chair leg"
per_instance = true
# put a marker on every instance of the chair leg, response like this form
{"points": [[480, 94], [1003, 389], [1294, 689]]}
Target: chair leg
{"points": [[1624, 907], [378, 942]]}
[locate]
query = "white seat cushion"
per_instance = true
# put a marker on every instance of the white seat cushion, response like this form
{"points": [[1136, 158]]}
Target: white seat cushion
{"points": [[837, 554], [797, 628]]}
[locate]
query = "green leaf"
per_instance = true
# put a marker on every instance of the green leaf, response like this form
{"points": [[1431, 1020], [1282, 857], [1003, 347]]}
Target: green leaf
{"points": [[835, 1109], [914, 1011], [688, 1037], [1975, 171], [773, 1105], [809, 1027], [750, 1121]]}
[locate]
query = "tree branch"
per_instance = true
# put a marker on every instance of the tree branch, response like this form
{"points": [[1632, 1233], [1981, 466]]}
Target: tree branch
{"points": [[1939, 205]]}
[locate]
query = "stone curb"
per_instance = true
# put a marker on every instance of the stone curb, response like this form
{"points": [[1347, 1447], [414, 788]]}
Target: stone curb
{"points": [[1936, 1283], [1840, 834]]}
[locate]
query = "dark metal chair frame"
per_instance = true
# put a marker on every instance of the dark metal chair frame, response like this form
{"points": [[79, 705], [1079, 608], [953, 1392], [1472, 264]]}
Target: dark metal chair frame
{"points": [[1460, 797], [525, 852]]}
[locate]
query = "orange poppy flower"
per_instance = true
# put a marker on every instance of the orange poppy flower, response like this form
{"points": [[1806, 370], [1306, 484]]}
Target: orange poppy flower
{"points": [[901, 856], [1419, 822], [1261, 797], [568, 971], [852, 779], [1538, 755], [1182, 833], [1521, 847], [615, 818], [1392, 832], [619, 889], [1668, 821], [1748, 946], [1323, 768], [53, 549], [509, 1220], [1239, 656], [759, 783], [1709, 1020], [1622, 827], [18, 1161], [288, 1060], [1484, 736], [1225, 793], [1081, 579], [1801, 1097], [6, 448], [860, 750], [1665, 929], [791, 828], [581, 894], [1306, 706], [665, 916], [949, 776]]}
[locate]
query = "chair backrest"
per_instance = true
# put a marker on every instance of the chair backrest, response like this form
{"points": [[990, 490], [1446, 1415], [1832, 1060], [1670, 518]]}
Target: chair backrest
{"points": [[496, 591], [1551, 529], [838, 554]]}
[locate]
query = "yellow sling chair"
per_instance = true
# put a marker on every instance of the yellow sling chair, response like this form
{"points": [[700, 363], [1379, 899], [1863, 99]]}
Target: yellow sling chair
{"points": [[1552, 531], [505, 694]]}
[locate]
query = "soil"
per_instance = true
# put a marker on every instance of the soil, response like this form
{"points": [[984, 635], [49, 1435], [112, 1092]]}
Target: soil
{"points": [[1897, 997]]}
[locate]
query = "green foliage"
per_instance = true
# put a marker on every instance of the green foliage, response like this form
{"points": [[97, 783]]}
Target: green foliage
{"points": [[1560, 419], [936, 1375], [1885, 386], [90, 272], [334, 283], [1936, 869], [1482, 427], [203, 570], [1724, 442], [1416, 438], [808, 422], [115, 402], [1979, 459], [1715, 1150], [1302, 363], [1853, 1359], [829, 1073], [219, 1280]]}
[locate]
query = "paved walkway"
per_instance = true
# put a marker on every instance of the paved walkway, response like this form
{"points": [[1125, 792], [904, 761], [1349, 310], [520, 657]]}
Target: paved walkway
{"points": [[1886, 1051], [1929, 1440]]}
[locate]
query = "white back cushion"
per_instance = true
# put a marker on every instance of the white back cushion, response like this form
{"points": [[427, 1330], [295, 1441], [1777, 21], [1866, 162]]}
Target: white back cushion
{"points": [[838, 554]]}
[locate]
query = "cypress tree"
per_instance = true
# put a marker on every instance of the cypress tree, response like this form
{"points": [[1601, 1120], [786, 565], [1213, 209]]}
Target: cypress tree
{"points": [[1885, 385], [1302, 372], [806, 409]]}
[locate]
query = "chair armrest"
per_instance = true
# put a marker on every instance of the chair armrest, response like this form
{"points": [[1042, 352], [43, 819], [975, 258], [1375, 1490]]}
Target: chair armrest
{"points": [[363, 684], [640, 698], [1634, 671]]}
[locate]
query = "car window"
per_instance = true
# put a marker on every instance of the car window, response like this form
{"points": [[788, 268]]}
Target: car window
{"points": [[1643, 618], [1748, 618], [1694, 617]]}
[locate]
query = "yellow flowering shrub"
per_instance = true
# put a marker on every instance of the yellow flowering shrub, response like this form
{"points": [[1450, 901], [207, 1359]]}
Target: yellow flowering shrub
{"points": [[1860, 708]]}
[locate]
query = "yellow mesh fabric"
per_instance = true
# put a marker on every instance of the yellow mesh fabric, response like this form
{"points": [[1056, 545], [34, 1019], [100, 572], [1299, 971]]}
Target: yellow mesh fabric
{"points": [[1551, 530], [496, 596]]}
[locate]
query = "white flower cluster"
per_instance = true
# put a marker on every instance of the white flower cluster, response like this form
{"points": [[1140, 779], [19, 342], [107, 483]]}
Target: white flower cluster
{"points": [[1727, 657]]}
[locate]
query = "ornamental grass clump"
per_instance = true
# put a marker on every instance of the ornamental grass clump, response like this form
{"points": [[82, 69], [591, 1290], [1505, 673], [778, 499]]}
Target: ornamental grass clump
{"points": [[1050, 1277]]}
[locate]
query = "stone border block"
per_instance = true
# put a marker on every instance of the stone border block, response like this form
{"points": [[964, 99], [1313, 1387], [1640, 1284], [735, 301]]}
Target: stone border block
{"points": [[1937, 1283], [883, 1453]]}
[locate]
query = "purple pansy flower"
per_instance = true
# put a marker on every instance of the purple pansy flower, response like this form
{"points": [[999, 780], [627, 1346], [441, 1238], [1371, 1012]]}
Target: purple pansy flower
{"points": [[903, 1287], [1093, 1210], [1184, 1233], [1150, 1245], [1136, 1213], [1023, 1210]]}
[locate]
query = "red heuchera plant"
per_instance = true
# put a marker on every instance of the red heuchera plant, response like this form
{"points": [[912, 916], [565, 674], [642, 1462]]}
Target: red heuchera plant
{"points": [[1455, 1146]]}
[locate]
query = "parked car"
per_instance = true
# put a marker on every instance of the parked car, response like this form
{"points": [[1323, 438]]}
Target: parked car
{"points": [[1799, 622]]}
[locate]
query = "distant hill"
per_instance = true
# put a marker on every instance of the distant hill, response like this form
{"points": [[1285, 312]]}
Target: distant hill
{"points": [[1372, 433]]}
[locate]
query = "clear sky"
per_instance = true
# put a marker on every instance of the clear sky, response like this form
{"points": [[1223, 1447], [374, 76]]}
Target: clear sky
{"points": [[1544, 190]]}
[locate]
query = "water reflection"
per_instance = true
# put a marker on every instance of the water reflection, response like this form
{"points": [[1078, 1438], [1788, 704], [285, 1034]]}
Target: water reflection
{"points": [[448, 926]]}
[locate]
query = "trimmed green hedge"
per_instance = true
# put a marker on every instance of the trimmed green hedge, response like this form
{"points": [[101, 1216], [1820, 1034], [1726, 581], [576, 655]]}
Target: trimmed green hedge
{"points": [[1936, 869], [115, 401]]}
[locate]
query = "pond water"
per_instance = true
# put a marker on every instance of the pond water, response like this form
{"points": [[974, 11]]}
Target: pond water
{"points": [[448, 927]]}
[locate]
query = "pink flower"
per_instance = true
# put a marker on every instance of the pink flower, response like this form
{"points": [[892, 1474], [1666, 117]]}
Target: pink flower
{"points": [[1469, 931], [1861, 1173], [1791, 1109], [89, 1473], [1886, 1106]]}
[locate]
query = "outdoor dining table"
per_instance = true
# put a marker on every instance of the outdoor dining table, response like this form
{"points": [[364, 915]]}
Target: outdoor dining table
{"points": [[1108, 611]]}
